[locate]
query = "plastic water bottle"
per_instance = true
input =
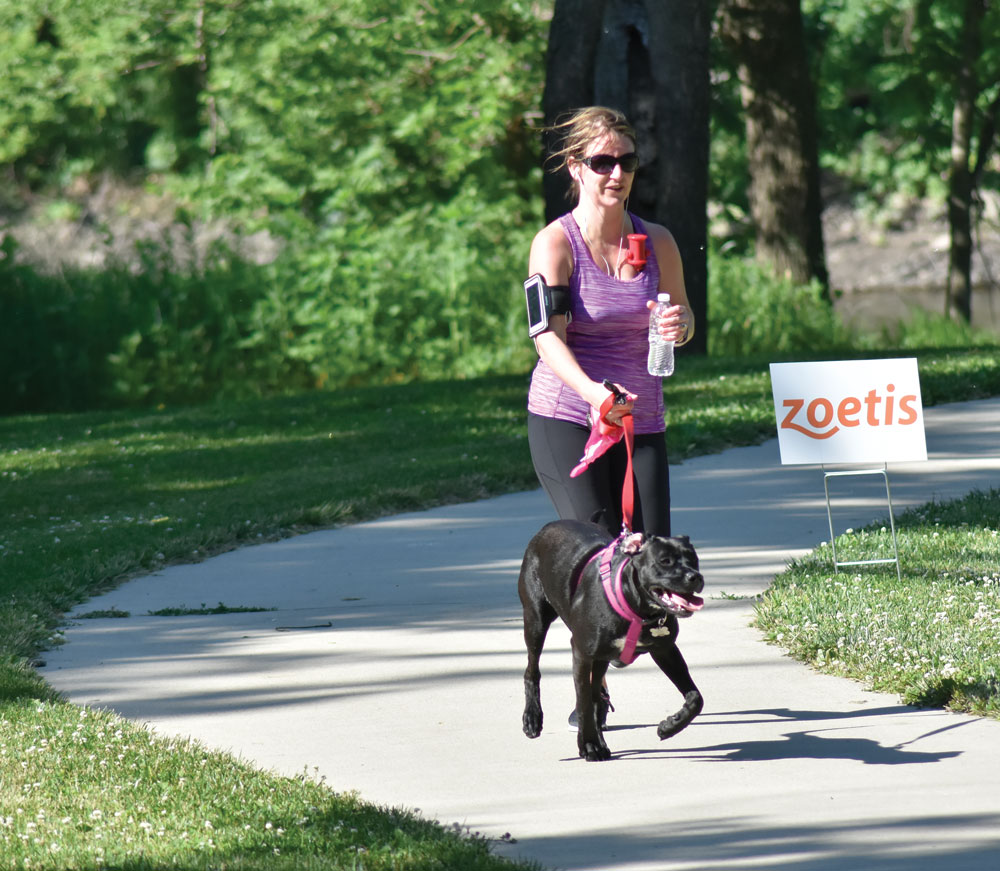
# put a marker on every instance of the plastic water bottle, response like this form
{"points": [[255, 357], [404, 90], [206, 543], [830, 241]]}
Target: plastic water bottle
{"points": [[661, 351]]}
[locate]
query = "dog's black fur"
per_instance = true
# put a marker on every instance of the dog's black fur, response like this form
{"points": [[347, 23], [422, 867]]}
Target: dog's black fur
{"points": [[555, 557]]}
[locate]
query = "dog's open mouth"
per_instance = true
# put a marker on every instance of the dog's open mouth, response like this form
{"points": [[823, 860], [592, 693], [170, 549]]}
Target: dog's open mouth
{"points": [[681, 604]]}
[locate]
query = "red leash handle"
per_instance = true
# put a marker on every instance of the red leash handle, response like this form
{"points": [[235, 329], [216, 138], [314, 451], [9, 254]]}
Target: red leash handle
{"points": [[606, 425], [604, 434], [628, 425]]}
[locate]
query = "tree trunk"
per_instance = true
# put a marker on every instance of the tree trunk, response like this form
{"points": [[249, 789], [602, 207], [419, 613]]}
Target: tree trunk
{"points": [[649, 59], [987, 135], [569, 81], [958, 296], [767, 40], [679, 48]]}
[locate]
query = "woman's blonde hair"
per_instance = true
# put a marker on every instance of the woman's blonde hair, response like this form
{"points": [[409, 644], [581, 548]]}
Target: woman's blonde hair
{"points": [[582, 127]]}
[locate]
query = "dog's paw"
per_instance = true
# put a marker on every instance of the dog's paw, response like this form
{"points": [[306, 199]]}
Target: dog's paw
{"points": [[532, 723], [595, 752], [673, 724]]}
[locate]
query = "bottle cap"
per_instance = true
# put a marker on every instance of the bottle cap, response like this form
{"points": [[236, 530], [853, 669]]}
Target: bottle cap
{"points": [[663, 297]]}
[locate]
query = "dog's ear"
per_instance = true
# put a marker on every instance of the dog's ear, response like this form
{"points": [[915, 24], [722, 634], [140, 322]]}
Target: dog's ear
{"points": [[684, 539]]}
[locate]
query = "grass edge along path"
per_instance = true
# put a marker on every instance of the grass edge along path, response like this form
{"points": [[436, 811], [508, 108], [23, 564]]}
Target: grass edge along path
{"points": [[85, 789], [95, 499], [931, 635]]}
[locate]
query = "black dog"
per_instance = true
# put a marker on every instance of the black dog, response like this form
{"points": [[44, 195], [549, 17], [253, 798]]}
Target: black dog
{"points": [[561, 576]]}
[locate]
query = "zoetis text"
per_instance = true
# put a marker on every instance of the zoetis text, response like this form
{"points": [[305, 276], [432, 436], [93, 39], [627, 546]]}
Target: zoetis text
{"points": [[824, 417]]}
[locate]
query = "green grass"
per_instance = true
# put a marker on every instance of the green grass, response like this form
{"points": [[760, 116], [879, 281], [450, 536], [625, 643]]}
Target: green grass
{"points": [[180, 611], [82, 788], [221, 608], [932, 635], [88, 500]]}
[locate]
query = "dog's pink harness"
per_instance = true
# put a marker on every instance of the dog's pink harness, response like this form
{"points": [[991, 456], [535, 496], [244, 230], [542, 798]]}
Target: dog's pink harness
{"points": [[612, 582]]}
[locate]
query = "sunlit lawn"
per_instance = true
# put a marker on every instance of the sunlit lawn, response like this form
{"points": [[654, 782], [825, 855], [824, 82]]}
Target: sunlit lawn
{"points": [[932, 635], [87, 500]]}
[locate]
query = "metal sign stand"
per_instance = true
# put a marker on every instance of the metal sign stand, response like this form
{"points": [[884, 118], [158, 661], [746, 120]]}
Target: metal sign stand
{"points": [[892, 523]]}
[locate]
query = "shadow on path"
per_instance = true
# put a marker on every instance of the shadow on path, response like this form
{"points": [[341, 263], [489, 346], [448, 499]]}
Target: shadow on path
{"points": [[800, 745], [742, 843]]}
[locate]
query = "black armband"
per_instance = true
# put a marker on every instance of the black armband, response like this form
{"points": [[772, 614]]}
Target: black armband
{"points": [[543, 302]]}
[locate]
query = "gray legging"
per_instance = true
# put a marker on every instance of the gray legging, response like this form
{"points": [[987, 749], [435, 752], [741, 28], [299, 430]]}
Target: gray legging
{"points": [[556, 447]]}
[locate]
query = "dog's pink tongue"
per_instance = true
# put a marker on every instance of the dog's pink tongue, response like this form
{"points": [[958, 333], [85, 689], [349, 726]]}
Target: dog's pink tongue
{"points": [[688, 603]]}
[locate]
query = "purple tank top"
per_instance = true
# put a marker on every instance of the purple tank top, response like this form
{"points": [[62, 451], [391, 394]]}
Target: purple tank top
{"points": [[608, 334]]}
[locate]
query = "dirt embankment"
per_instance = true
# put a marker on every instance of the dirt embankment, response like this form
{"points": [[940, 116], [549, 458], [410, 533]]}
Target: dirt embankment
{"points": [[94, 226], [884, 270]]}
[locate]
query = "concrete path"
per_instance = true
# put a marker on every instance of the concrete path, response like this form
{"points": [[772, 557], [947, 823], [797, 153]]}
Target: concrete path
{"points": [[393, 662]]}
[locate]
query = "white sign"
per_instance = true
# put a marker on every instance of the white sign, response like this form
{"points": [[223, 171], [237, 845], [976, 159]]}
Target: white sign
{"points": [[849, 411]]}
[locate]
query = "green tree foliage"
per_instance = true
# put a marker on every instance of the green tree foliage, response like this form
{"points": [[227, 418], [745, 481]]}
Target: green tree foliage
{"points": [[87, 84], [387, 143], [402, 174], [374, 107], [887, 79], [391, 147], [886, 74]]}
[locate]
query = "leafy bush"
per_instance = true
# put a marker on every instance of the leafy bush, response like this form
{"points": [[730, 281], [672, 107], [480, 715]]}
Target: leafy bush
{"points": [[54, 335], [90, 338], [197, 335], [923, 329], [753, 312], [430, 294]]}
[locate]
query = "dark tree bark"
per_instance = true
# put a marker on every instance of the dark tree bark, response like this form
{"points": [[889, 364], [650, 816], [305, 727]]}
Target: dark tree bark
{"points": [[569, 81], [958, 296], [680, 63], [987, 137], [767, 41], [649, 59]]}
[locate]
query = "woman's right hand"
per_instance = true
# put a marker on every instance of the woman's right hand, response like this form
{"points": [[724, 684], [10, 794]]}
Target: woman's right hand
{"points": [[614, 415]]}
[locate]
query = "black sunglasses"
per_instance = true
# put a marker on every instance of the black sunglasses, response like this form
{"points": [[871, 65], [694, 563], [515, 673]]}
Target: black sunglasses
{"points": [[604, 164]]}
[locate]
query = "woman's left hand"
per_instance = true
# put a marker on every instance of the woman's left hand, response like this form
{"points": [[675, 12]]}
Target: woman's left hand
{"points": [[675, 324]]}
